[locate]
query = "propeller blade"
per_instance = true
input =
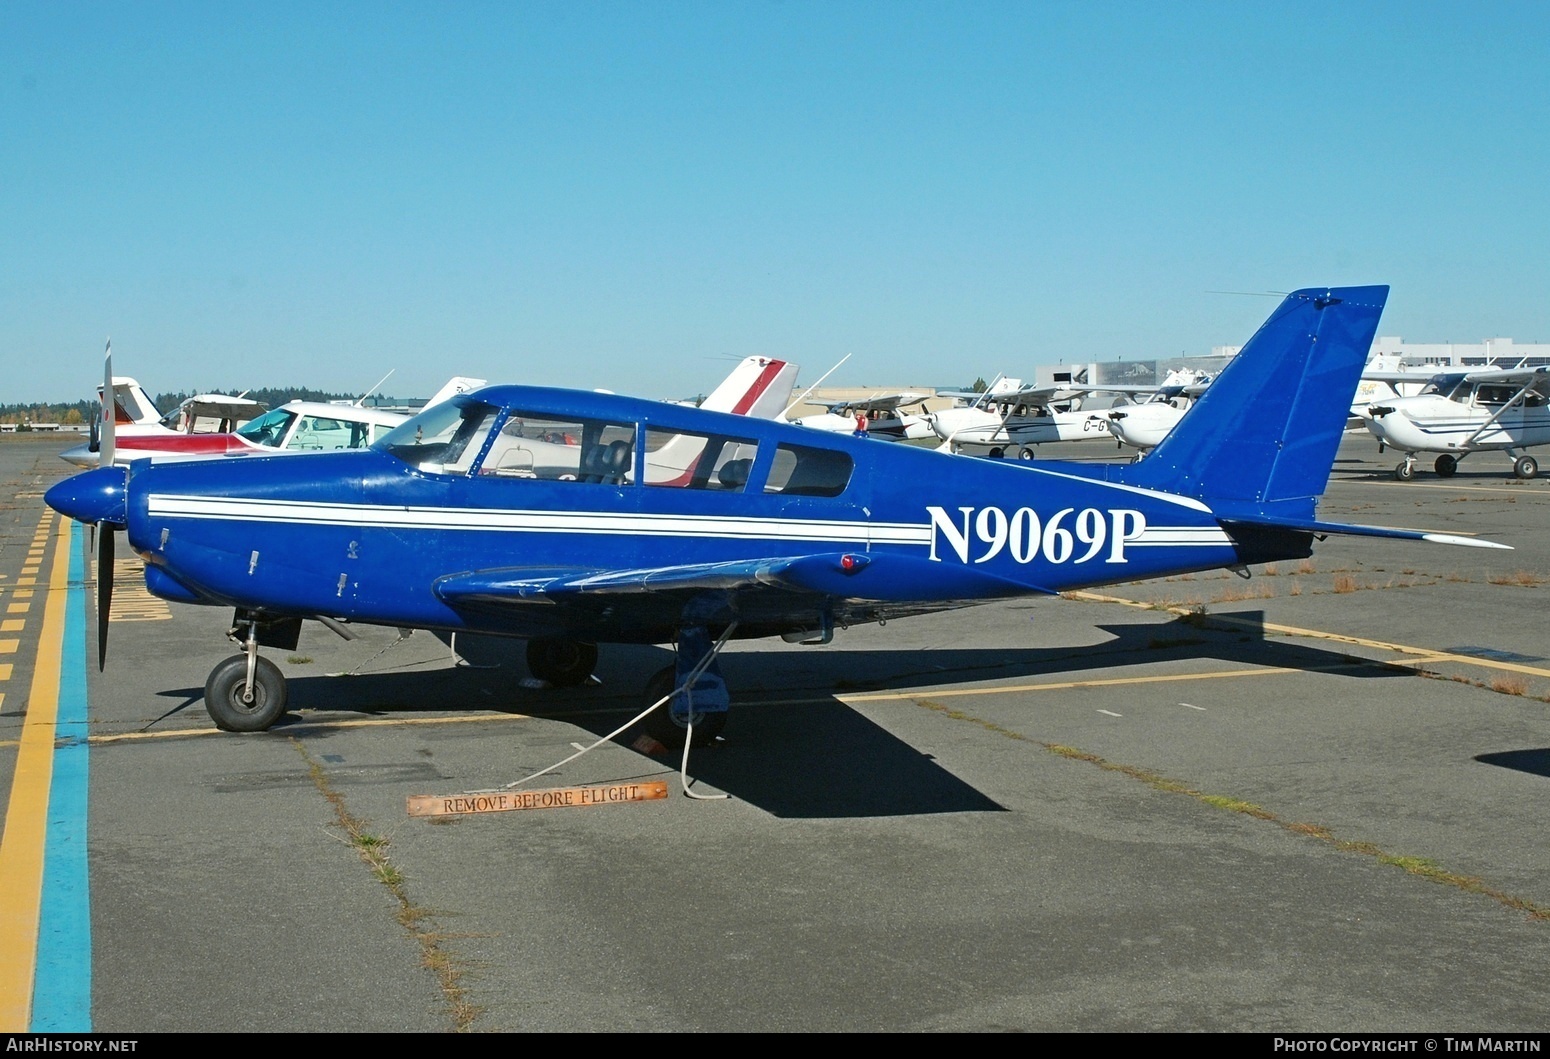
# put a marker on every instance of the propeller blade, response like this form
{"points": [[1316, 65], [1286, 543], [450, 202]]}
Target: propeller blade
{"points": [[105, 443], [104, 594]]}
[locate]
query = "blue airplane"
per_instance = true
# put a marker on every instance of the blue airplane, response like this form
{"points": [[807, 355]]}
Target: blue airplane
{"points": [[572, 519]]}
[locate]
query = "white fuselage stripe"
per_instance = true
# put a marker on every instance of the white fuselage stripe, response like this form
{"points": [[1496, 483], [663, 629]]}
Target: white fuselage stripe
{"points": [[222, 509]]}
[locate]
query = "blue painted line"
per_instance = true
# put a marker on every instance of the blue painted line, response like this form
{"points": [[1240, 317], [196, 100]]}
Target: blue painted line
{"points": [[61, 992]]}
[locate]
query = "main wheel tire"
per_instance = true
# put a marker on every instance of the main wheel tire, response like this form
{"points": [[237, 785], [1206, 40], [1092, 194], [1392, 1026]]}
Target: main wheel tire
{"points": [[1446, 466], [997, 452], [1025, 453], [563, 663], [223, 695], [1405, 471], [1525, 467], [659, 723]]}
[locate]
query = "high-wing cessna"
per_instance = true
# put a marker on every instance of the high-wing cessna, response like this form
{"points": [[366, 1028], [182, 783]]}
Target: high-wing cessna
{"points": [[1499, 409], [773, 530], [135, 416], [296, 426], [1015, 420], [885, 414], [1142, 424]]}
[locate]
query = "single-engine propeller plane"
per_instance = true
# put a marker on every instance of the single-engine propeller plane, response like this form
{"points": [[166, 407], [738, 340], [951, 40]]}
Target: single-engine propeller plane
{"points": [[1493, 409], [768, 530]]}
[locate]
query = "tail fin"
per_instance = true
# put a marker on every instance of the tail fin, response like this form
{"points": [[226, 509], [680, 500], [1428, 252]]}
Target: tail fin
{"points": [[132, 405], [759, 387], [1264, 434], [454, 386]]}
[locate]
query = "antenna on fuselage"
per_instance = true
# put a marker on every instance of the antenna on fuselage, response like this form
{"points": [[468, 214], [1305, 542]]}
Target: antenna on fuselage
{"points": [[373, 390], [810, 389]]}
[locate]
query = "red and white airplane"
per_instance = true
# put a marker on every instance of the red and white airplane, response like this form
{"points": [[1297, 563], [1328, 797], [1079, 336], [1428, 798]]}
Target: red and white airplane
{"points": [[758, 386], [298, 426]]}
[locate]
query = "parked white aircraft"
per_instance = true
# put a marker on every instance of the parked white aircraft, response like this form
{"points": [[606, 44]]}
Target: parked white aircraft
{"points": [[885, 414], [1493, 409], [1003, 421]]}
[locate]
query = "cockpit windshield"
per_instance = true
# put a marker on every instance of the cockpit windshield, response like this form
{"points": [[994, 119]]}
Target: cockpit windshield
{"points": [[1445, 385], [268, 429], [443, 439]]}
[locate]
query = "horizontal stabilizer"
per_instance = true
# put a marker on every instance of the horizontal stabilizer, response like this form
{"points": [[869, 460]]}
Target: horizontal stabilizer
{"points": [[1324, 528]]}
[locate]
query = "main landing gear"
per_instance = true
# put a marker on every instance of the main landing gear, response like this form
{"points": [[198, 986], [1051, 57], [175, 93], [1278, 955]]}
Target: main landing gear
{"points": [[702, 700], [1523, 466], [562, 663]]}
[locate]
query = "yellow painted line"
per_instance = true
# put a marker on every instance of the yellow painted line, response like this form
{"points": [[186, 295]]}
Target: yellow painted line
{"points": [[26, 814], [17, 608], [13, 625], [1421, 655], [5, 671], [1066, 685], [8, 647], [22, 593], [1519, 491], [26, 580]]}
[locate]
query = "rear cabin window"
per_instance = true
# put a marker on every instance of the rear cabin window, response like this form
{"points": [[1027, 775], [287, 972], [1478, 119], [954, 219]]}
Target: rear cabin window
{"points": [[803, 471], [559, 449], [681, 460]]}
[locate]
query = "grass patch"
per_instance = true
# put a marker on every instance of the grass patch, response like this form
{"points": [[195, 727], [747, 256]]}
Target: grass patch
{"points": [[1525, 578], [1509, 685], [298, 660], [1345, 583], [373, 850]]}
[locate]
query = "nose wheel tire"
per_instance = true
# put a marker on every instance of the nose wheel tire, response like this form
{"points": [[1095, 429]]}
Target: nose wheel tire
{"points": [[1405, 471], [224, 701], [1446, 465], [563, 663], [661, 726], [1525, 467]]}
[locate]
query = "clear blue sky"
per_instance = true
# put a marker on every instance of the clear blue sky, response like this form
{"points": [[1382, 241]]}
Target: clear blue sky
{"points": [[629, 195]]}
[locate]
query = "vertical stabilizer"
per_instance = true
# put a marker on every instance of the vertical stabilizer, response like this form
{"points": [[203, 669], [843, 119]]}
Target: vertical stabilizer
{"points": [[759, 387], [1266, 431]]}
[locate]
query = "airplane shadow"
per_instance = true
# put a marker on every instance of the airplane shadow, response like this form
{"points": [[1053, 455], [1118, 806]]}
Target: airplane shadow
{"points": [[1534, 762], [792, 746]]}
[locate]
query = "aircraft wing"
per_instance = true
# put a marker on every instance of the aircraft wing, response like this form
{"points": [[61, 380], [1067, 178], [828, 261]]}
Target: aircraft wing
{"points": [[1539, 376], [887, 401], [845, 575]]}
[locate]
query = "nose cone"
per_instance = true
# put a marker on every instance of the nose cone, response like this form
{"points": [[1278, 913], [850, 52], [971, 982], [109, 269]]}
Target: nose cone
{"points": [[92, 497]]}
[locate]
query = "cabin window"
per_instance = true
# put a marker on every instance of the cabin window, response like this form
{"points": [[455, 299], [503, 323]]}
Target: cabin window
{"points": [[683, 460], [315, 433], [1494, 395], [443, 439], [803, 471], [562, 449]]}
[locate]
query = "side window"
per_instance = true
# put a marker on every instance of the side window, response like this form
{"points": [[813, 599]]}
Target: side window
{"points": [[803, 471], [556, 449], [680, 460]]}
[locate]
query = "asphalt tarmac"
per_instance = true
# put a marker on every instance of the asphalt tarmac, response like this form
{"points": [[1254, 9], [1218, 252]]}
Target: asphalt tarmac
{"points": [[1312, 800]]}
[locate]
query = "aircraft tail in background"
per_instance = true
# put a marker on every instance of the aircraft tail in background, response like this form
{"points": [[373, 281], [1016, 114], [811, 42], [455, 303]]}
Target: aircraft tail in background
{"points": [[759, 387]]}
